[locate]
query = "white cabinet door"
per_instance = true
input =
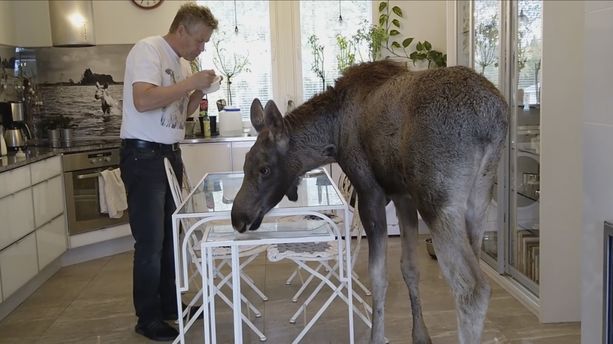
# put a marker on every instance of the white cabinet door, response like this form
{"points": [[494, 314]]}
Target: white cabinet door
{"points": [[200, 158], [239, 150], [51, 241], [46, 169], [14, 180], [17, 216], [48, 200], [18, 264]]}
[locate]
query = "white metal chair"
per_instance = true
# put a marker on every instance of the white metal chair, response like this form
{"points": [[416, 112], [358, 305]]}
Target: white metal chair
{"points": [[221, 255], [326, 257]]}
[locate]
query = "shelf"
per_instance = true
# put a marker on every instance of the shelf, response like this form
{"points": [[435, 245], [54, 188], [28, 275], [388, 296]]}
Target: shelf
{"points": [[530, 197]]}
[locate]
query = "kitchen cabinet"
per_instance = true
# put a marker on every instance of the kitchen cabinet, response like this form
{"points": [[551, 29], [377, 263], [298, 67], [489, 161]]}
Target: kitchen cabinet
{"points": [[51, 241], [48, 200], [14, 180], [18, 264], [17, 217], [205, 157], [33, 225]]}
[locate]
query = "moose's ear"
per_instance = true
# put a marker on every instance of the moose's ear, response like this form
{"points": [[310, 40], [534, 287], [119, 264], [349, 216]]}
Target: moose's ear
{"points": [[272, 116], [274, 123], [257, 115]]}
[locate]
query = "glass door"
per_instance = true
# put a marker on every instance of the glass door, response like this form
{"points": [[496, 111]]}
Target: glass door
{"points": [[502, 40], [526, 40]]}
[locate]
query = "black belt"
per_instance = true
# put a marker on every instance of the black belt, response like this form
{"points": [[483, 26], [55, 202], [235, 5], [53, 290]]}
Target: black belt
{"points": [[136, 143]]}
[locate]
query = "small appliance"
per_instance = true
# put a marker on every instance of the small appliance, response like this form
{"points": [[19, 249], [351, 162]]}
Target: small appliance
{"points": [[17, 132]]}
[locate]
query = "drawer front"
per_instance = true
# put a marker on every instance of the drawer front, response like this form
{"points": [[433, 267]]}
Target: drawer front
{"points": [[17, 216], [18, 264], [46, 169], [14, 180], [51, 241], [48, 200]]}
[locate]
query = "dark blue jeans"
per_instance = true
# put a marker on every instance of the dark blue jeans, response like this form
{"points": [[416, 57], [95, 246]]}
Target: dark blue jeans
{"points": [[150, 207]]}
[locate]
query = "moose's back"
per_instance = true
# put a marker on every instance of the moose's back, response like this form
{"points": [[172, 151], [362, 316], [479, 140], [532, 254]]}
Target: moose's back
{"points": [[422, 123]]}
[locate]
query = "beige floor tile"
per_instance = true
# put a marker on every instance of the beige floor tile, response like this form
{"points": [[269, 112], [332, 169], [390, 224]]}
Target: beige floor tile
{"points": [[91, 303]]}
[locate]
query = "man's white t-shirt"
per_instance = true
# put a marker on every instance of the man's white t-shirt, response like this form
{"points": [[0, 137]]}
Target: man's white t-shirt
{"points": [[153, 61]]}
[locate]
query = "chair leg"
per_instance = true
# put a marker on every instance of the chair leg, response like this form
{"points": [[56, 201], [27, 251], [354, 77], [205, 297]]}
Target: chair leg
{"points": [[305, 284], [225, 280], [314, 293], [364, 288], [245, 319], [291, 277]]}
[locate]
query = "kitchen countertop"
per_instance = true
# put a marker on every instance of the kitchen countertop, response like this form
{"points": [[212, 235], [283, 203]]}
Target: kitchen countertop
{"points": [[37, 153]]}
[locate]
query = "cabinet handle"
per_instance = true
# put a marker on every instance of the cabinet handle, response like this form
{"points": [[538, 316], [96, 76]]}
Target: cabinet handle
{"points": [[88, 175]]}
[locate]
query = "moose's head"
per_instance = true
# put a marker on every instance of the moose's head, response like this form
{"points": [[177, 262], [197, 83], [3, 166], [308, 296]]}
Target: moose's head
{"points": [[268, 176]]}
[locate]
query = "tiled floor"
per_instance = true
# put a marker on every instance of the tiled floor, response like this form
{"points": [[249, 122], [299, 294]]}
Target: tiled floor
{"points": [[91, 303]]}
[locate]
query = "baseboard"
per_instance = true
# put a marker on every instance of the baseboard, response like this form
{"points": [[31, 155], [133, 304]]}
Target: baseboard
{"points": [[21, 294], [98, 250], [523, 295]]}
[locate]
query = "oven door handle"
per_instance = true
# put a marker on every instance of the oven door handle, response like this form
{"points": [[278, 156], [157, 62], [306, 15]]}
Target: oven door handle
{"points": [[88, 175]]}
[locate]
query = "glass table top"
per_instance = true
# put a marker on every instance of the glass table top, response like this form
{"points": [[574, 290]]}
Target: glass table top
{"points": [[286, 230], [216, 192]]}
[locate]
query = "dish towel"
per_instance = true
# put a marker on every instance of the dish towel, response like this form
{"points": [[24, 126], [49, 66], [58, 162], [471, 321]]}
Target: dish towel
{"points": [[112, 193]]}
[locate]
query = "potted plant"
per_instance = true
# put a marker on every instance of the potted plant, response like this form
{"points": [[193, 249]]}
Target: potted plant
{"points": [[230, 64]]}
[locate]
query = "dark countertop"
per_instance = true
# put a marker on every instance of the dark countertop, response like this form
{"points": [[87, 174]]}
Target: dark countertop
{"points": [[35, 153]]}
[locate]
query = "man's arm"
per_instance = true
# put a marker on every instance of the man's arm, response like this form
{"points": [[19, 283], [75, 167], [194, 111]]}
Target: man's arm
{"points": [[149, 97]]}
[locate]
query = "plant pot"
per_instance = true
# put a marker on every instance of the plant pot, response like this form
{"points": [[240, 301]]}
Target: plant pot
{"points": [[55, 136]]}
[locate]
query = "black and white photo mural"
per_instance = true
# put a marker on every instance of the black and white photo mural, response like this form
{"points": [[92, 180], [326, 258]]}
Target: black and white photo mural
{"points": [[84, 85]]}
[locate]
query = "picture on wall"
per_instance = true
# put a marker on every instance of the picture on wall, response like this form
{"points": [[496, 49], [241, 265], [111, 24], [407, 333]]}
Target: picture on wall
{"points": [[7, 71], [84, 85]]}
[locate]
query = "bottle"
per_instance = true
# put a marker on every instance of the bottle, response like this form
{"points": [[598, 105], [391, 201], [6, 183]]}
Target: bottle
{"points": [[205, 122]]}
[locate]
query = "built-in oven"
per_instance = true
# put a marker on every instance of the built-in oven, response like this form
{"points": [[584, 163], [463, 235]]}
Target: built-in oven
{"points": [[81, 172]]}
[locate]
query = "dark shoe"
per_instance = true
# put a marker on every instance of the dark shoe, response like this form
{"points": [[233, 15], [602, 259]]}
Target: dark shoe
{"points": [[158, 331], [192, 311]]}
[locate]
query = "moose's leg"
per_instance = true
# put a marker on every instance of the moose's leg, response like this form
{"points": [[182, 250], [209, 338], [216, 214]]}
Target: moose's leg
{"points": [[460, 266], [407, 217], [478, 201], [371, 206]]}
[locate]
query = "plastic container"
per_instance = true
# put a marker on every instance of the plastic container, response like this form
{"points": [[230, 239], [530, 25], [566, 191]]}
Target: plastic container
{"points": [[230, 122]]}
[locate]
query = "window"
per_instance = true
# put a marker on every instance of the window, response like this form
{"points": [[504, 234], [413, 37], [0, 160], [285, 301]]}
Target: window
{"points": [[321, 18], [274, 37], [227, 46]]}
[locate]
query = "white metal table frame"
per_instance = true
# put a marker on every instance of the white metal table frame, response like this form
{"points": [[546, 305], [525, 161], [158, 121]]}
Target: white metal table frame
{"points": [[208, 243]]}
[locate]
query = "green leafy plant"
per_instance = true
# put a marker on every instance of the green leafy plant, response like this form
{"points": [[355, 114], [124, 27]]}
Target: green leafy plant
{"points": [[318, 59], [397, 44], [374, 37], [346, 55], [424, 52]]}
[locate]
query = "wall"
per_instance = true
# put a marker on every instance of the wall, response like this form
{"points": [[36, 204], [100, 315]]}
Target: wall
{"points": [[115, 22], [561, 172], [7, 30], [422, 20], [598, 165]]}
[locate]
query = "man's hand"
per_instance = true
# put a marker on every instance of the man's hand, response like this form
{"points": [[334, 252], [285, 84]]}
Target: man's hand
{"points": [[203, 79]]}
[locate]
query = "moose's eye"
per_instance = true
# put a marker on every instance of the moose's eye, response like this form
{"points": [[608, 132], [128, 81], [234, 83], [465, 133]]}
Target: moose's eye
{"points": [[264, 171]]}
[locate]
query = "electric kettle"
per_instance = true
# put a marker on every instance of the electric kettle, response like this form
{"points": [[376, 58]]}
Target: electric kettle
{"points": [[14, 138]]}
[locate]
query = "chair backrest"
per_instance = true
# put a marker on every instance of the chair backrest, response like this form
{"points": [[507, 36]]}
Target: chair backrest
{"points": [[349, 193], [173, 183]]}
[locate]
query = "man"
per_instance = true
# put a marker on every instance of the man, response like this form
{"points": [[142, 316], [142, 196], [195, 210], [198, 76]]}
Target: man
{"points": [[158, 94]]}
